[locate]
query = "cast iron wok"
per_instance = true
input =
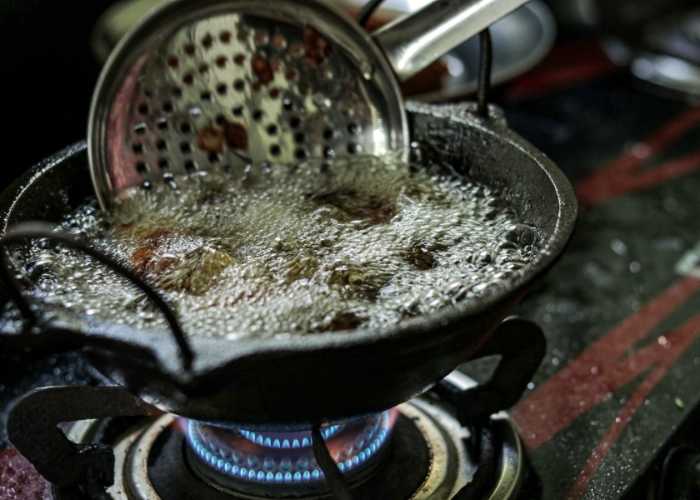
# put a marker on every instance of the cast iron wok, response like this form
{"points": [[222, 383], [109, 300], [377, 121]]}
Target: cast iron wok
{"points": [[322, 377]]}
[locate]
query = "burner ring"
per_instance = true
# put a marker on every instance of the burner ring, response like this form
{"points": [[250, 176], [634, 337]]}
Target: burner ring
{"points": [[222, 455]]}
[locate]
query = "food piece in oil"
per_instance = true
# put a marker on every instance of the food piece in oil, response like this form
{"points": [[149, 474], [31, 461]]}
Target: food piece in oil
{"points": [[276, 250]]}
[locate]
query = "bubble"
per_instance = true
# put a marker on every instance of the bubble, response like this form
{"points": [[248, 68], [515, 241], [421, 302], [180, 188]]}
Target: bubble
{"points": [[268, 251]]}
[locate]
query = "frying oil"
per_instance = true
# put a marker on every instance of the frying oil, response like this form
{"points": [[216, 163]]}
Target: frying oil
{"points": [[279, 250]]}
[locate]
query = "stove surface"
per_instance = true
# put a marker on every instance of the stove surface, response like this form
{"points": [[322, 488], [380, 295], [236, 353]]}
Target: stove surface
{"points": [[620, 310], [618, 387]]}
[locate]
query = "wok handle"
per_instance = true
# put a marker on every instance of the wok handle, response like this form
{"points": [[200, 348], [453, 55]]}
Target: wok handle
{"points": [[32, 429], [413, 42], [521, 345], [29, 230]]}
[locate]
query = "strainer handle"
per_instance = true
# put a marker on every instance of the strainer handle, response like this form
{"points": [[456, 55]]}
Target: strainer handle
{"points": [[413, 42]]}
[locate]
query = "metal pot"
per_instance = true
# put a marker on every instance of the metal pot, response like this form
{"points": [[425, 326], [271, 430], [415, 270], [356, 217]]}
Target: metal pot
{"points": [[306, 380]]}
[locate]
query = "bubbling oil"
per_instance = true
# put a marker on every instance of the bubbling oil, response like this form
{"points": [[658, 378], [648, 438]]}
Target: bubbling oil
{"points": [[279, 250]]}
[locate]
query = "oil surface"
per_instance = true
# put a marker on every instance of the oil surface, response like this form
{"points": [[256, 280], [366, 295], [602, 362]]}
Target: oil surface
{"points": [[279, 250]]}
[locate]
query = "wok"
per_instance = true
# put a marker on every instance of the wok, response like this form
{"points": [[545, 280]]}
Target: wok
{"points": [[315, 378]]}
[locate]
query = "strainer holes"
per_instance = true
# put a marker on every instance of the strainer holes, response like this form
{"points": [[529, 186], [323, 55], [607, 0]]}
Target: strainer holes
{"points": [[188, 79], [239, 85], [225, 36], [237, 110], [328, 133], [325, 167], [163, 164], [207, 41], [137, 148], [195, 111], [328, 152], [176, 93], [220, 119], [294, 122], [221, 61], [203, 68], [221, 89], [186, 147], [299, 137], [161, 145], [297, 49], [303, 88], [228, 170], [143, 109], [190, 166], [173, 62], [272, 129], [190, 49], [256, 86], [214, 158], [261, 37], [239, 59], [185, 128], [275, 150], [146, 185], [168, 107], [140, 128], [150, 93], [300, 154], [206, 97], [353, 128], [274, 93], [288, 105], [141, 168], [257, 115], [279, 42], [354, 148], [291, 75], [162, 124]]}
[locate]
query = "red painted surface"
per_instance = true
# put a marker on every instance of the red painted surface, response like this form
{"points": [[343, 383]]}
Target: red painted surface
{"points": [[19, 480], [566, 65], [603, 368], [662, 354], [626, 174]]}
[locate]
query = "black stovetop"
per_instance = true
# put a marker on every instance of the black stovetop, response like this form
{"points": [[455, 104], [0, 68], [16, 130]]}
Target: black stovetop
{"points": [[619, 385]]}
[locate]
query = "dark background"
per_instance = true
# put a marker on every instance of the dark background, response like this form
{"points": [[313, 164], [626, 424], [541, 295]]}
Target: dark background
{"points": [[47, 75]]}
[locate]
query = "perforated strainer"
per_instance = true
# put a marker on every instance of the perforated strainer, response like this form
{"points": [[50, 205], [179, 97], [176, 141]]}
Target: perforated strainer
{"points": [[230, 83]]}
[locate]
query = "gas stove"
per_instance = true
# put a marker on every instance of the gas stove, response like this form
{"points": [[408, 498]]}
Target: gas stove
{"points": [[612, 411], [416, 450]]}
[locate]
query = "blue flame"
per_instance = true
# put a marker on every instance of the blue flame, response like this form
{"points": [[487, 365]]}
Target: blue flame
{"points": [[286, 457], [303, 441]]}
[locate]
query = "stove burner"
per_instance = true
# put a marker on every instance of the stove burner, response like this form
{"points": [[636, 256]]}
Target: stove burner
{"points": [[425, 457], [285, 457]]}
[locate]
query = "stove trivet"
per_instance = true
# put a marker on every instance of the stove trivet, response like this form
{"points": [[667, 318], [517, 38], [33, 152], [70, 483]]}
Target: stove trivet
{"points": [[429, 457]]}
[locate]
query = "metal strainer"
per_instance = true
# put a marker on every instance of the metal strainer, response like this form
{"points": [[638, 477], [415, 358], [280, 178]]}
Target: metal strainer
{"points": [[230, 83]]}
